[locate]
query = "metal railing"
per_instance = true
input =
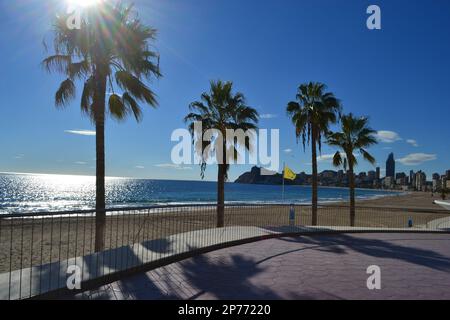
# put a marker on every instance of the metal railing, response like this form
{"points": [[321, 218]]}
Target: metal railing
{"points": [[37, 248]]}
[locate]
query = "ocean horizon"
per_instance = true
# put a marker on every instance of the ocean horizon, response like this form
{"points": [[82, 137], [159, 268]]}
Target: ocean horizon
{"points": [[21, 193]]}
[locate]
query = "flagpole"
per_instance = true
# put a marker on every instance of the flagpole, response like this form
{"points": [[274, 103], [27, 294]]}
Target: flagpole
{"points": [[282, 177]]}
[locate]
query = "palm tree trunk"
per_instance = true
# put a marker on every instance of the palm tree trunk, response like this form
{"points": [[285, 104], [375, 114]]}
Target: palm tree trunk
{"points": [[314, 177], [351, 180], [221, 196], [99, 112]]}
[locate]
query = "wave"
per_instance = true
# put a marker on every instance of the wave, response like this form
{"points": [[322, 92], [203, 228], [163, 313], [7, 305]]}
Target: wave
{"points": [[24, 193]]}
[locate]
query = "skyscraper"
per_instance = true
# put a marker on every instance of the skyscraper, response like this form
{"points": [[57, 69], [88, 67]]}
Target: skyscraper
{"points": [[390, 166], [412, 178], [421, 181], [377, 175]]}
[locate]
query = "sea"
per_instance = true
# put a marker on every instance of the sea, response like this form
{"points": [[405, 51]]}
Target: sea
{"points": [[20, 193]]}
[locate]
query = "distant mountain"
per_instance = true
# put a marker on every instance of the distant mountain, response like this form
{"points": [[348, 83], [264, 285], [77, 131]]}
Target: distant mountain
{"points": [[254, 176]]}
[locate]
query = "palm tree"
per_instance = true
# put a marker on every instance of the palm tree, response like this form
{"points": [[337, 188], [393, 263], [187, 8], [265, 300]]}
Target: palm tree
{"points": [[356, 135], [221, 110], [111, 45], [444, 192], [311, 115]]}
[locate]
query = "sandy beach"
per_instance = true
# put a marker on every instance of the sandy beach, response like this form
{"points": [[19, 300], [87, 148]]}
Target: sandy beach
{"points": [[422, 200], [30, 242]]}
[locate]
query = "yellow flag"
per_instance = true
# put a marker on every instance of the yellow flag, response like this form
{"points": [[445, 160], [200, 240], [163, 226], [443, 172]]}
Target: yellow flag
{"points": [[289, 174]]}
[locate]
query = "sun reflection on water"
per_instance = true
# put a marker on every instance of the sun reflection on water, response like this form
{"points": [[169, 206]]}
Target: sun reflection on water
{"points": [[49, 192]]}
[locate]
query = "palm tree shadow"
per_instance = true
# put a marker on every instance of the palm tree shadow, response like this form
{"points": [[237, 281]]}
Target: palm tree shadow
{"points": [[342, 243], [229, 279], [232, 276], [139, 287]]}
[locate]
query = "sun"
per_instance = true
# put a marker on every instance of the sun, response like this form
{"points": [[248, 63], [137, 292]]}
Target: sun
{"points": [[84, 3]]}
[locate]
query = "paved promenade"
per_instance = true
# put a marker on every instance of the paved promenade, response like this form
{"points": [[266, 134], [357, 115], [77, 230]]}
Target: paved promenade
{"points": [[413, 266]]}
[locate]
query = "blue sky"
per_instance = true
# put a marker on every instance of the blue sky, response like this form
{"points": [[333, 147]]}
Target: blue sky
{"points": [[397, 75]]}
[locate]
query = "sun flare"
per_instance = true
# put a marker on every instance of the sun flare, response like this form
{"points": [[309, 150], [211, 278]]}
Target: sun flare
{"points": [[84, 3]]}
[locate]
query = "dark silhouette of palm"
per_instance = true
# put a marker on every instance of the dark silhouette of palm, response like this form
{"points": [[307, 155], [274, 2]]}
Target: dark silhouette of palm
{"points": [[109, 50], [221, 110], [444, 192], [355, 135], [312, 113]]}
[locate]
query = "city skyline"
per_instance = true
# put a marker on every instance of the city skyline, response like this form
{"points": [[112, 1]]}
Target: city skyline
{"points": [[376, 171], [372, 179], [375, 79]]}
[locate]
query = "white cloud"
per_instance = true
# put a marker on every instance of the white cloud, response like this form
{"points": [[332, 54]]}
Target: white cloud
{"points": [[80, 162], [412, 142], [287, 150], [329, 157], [140, 167], [19, 156], [267, 116], [387, 136], [172, 166], [81, 132], [417, 158], [326, 157]]}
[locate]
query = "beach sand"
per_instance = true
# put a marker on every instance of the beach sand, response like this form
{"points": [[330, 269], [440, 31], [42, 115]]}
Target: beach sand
{"points": [[30, 242], [422, 200]]}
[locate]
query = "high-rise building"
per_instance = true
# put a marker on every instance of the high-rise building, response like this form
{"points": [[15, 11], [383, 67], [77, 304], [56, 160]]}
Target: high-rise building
{"points": [[437, 183], [390, 166], [400, 175], [378, 174], [412, 178], [389, 182], [421, 181], [401, 179], [443, 181]]}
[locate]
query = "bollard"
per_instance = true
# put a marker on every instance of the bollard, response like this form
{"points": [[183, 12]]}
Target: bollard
{"points": [[410, 222]]}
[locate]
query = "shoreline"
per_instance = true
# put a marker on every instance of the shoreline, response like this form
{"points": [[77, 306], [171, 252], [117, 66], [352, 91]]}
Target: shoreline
{"points": [[407, 200], [395, 199], [411, 199], [31, 242]]}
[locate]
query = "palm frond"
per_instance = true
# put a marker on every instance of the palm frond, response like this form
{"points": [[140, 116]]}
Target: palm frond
{"points": [[65, 93], [132, 105], [111, 38], [135, 87], [220, 109], [87, 96], [57, 62], [367, 156], [117, 108], [78, 69], [313, 108], [337, 159], [355, 135]]}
